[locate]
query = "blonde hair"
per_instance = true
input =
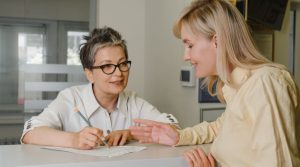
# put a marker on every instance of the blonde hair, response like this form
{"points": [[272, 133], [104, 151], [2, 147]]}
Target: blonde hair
{"points": [[235, 46]]}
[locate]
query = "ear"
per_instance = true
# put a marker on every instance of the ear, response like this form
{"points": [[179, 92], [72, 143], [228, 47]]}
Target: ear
{"points": [[89, 75]]}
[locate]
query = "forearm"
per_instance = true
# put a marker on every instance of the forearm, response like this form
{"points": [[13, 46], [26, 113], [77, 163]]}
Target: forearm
{"points": [[199, 134], [49, 136]]}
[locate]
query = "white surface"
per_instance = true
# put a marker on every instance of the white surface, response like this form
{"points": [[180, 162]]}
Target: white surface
{"points": [[101, 151], [33, 156]]}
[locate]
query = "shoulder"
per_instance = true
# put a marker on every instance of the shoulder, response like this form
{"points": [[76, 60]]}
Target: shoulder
{"points": [[276, 80], [273, 74]]}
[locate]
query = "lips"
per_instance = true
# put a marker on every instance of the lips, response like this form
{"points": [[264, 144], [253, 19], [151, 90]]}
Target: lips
{"points": [[117, 82]]}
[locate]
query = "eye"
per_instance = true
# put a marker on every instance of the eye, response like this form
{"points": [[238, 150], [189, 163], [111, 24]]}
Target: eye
{"points": [[123, 64], [187, 45], [107, 66]]}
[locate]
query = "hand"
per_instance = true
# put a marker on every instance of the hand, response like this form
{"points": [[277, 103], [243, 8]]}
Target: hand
{"points": [[88, 138], [118, 137], [154, 132], [197, 158]]}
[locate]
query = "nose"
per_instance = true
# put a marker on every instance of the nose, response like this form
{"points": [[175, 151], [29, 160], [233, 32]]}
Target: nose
{"points": [[186, 55]]}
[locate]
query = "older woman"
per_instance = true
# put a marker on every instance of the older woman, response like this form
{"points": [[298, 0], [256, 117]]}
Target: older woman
{"points": [[81, 116]]}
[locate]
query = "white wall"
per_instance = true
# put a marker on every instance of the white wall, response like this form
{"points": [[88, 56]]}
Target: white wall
{"points": [[71, 10], [164, 57], [128, 17]]}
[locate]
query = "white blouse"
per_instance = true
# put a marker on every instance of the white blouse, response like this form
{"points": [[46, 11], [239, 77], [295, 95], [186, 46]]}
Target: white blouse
{"points": [[61, 115]]}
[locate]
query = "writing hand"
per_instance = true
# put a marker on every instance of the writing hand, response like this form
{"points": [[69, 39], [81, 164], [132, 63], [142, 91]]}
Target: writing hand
{"points": [[154, 132], [87, 138]]}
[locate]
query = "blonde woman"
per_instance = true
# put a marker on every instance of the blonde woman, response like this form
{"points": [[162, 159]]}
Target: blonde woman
{"points": [[261, 120]]}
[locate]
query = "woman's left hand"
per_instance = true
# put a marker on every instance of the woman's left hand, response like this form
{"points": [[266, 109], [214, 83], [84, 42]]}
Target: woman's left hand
{"points": [[118, 137], [197, 158]]}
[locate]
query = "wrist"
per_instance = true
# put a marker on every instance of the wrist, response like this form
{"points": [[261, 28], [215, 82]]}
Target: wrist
{"points": [[73, 140]]}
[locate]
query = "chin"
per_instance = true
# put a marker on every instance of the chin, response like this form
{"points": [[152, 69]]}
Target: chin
{"points": [[200, 75], [117, 90]]}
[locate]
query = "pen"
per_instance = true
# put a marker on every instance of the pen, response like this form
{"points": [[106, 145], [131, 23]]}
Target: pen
{"points": [[90, 125]]}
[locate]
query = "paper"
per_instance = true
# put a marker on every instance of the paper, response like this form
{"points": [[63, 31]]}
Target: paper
{"points": [[102, 150]]}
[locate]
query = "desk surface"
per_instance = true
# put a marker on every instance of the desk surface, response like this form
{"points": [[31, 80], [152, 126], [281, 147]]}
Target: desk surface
{"points": [[153, 156]]}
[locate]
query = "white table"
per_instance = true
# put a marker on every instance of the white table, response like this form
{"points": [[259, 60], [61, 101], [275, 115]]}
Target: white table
{"points": [[153, 156]]}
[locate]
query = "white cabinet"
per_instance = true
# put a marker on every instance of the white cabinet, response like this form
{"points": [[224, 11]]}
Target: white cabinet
{"points": [[211, 111]]}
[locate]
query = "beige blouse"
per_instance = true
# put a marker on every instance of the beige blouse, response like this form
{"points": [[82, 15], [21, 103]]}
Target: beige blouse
{"points": [[258, 127]]}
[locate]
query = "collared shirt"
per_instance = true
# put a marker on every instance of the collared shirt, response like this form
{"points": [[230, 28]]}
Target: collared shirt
{"points": [[61, 115], [258, 127]]}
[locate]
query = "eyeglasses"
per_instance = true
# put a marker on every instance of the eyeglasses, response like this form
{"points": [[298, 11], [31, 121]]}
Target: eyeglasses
{"points": [[111, 68]]}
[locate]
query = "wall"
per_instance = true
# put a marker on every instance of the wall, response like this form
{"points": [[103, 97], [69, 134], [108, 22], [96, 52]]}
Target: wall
{"points": [[74, 10], [128, 17], [281, 38], [164, 57]]}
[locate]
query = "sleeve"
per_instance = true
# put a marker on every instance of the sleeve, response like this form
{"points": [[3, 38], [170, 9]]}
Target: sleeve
{"points": [[272, 116], [148, 111], [51, 116], [202, 133]]}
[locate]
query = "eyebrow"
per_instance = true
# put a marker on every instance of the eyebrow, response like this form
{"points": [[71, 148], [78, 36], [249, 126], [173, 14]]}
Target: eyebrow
{"points": [[110, 62]]}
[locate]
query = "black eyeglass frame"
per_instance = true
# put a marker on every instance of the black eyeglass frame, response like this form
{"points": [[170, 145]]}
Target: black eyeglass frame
{"points": [[127, 62]]}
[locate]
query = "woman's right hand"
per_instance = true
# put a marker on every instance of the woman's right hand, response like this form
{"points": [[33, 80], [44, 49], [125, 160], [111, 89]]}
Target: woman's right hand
{"points": [[88, 138], [154, 132]]}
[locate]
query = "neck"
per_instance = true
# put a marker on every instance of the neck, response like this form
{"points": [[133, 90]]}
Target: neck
{"points": [[107, 101]]}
